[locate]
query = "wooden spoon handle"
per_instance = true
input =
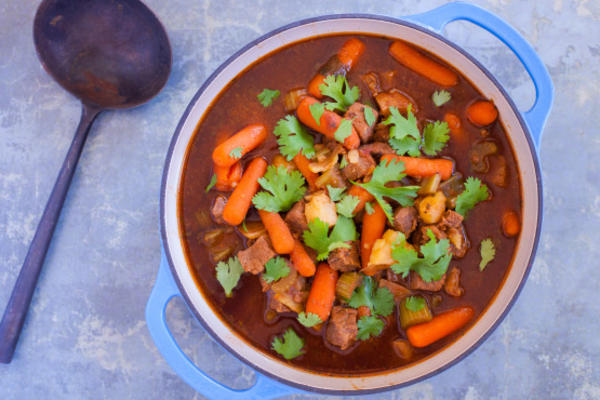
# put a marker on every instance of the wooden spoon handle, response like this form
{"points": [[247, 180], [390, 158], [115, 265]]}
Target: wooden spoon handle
{"points": [[20, 298]]}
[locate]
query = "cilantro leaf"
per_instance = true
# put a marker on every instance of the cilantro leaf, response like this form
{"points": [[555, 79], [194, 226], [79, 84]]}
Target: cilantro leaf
{"points": [[440, 98], [335, 194], [343, 131], [309, 319], [487, 251], [317, 237], [293, 138], [275, 269], [291, 345], [267, 96], [369, 208], [435, 137], [347, 205], [380, 301], [401, 126], [344, 161], [389, 172], [474, 193], [338, 89], [414, 303], [369, 115], [285, 187], [369, 326], [236, 153], [406, 145], [212, 183], [317, 110], [228, 274], [431, 267]]}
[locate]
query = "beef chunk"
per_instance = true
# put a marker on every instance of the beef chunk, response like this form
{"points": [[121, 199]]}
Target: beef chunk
{"points": [[345, 259], [253, 259], [416, 283], [452, 285], [421, 234], [450, 227], [394, 98], [276, 305], [356, 113], [296, 219], [396, 289], [359, 164], [451, 219], [459, 244], [288, 293], [382, 133], [217, 209], [377, 148], [371, 79], [342, 328], [405, 220]]}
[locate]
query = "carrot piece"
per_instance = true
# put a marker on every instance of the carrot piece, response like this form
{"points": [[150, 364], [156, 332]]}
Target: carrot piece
{"points": [[329, 122], [281, 237], [422, 167], [302, 163], [423, 65], [510, 223], [373, 226], [351, 52], [243, 141], [313, 86], [482, 112], [455, 126], [363, 197], [302, 261], [228, 177], [240, 200], [440, 326], [322, 292]]}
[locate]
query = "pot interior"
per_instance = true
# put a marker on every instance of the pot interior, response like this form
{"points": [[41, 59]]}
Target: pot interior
{"points": [[516, 132]]}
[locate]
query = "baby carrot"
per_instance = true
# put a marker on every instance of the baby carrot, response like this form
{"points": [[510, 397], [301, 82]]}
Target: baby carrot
{"points": [[328, 124], [231, 150], [228, 177], [302, 163], [302, 261], [240, 200], [455, 126], [373, 226], [421, 64], [510, 223], [422, 167], [351, 52], [281, 237], [313, 86], [322, 292], [363, 197], [482, 112], [440, 326]]}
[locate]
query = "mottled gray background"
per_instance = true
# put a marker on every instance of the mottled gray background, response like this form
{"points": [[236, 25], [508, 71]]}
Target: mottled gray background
{"points": [[86, 337]]}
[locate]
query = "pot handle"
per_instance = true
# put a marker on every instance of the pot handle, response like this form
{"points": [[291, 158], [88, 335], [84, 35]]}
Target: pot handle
{"points": [[537, 115], [164, 290]]}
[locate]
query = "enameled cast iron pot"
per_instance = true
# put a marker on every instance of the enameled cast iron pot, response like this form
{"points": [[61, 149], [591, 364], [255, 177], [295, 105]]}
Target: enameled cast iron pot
{"points": [[274, 377]]}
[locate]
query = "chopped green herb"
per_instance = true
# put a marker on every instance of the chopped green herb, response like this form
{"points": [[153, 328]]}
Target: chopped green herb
{"points": [[344, 161], [275, 269], [236, 153], [369, 208], [283, 189], [317, 236], [343, 131], [244, 226], [406, 145], [337, 87], [293, 138], [380, 301], [228, 274], [431, 267], [309, 319], [267, 96], [402, 126], [335, 194], [369, 326], [347, 205], [441, 97], [487, 251], [414, 303], [291, 345], [369, 115], [212, 183], [435, 136], [474, 193], [317, 110]]}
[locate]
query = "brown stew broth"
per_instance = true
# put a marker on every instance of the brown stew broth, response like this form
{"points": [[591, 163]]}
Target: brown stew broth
{"points": [[237, 106]]}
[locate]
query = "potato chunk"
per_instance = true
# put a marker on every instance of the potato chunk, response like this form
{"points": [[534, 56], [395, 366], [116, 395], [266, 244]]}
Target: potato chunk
{"points": [[431, 208], [320, 206]]}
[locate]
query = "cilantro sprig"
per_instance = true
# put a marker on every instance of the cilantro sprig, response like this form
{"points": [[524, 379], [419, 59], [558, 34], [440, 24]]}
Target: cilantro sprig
{"points": [[338, 88], [414, 303], [309, 319], [267, 96], [369, 326], [488, 253], [435, 136], [317, 236], [275, 269], [441, 97], [431, 267], [212, 183], [283, 189], [293, 138], [379, 301], [236, 153], [345, 203], [291, 345], [228, 274], [474, 192], [389, 172], [317, 110]]}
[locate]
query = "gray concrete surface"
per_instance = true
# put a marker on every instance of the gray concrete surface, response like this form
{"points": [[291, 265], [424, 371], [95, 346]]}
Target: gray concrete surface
{"points": [[86, 337]]}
